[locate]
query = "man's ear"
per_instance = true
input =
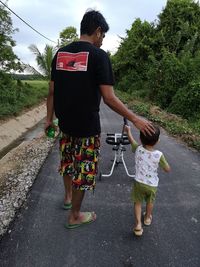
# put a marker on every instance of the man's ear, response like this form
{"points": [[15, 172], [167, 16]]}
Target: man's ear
{"points": [[98, 32]]}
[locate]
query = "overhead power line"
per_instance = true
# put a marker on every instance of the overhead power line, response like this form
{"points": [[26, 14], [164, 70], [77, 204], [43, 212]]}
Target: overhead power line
{"points": [[27, 23]]}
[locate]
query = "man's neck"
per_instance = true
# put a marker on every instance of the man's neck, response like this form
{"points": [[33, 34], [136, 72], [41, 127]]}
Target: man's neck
{"points": [[86, 38]]}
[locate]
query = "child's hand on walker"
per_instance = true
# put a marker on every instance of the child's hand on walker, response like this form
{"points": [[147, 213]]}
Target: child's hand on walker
{"points": [[127, 129]]}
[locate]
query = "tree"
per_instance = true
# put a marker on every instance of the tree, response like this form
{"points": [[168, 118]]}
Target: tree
{"points": [[163, 58], [68, 35], [131, 60], [8, 60], [176, 45], [178, 23], [44, 59]]}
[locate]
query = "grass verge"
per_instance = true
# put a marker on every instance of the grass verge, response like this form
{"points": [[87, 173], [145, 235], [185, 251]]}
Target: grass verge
{"points": [[20, 95], [185, 130]]}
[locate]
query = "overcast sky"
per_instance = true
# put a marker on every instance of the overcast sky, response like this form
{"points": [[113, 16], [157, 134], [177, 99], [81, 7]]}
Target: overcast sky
{"points": [[50, 17]]}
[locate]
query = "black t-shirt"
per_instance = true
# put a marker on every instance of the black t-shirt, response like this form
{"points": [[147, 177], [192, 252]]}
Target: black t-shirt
{"points": [[77, 71]]}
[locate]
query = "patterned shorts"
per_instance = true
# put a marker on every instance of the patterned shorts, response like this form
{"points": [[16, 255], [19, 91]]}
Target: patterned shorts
{"points": [[79, 159]]}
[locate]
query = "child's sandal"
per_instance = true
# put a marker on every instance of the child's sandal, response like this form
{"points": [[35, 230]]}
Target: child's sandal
{"points": [[138, 232], [147, 221]]}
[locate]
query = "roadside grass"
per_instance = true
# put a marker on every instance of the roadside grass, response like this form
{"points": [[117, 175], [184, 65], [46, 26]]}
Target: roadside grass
{"points": [[22, 95], [185, 130], [36, 92]]}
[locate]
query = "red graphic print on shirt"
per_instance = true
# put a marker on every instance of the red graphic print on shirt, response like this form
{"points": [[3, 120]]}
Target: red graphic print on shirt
{"points": [[72, 61]]}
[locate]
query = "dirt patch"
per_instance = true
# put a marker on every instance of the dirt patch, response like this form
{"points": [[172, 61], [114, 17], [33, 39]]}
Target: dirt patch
{"points": [[13, 128]]}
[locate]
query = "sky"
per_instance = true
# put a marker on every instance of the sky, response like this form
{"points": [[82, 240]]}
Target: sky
{"points": [[50, 17]]}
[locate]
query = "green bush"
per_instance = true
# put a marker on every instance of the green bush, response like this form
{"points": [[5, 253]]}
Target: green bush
{"points": [[195, 123], [165, 77], [130, 81], [186, 102], [17, 95]]}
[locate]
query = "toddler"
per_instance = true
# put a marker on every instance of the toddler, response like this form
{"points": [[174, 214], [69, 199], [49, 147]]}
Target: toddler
{"points": [[147, 161]]}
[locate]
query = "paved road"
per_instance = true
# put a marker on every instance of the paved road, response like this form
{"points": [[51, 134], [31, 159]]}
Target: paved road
{"points": [[38, 238]]}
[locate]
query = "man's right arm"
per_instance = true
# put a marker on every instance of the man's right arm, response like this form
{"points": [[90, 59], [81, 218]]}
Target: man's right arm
{"points": [[50, 105]]}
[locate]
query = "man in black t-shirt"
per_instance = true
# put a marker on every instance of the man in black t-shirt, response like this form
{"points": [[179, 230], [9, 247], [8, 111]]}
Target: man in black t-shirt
{"points": [[81, 75], [77, 71]]}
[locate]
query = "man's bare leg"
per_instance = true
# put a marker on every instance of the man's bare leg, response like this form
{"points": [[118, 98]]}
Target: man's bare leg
{"points": [[68, 189], [75, 216]]}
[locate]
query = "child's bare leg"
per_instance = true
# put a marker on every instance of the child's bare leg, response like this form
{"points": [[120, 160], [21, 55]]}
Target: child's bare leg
{"points": [[148, 213], [137, 212], [149, 209]]}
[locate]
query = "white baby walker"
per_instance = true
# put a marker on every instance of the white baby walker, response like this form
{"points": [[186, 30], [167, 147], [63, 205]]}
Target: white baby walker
{"points": [[118, 141]]}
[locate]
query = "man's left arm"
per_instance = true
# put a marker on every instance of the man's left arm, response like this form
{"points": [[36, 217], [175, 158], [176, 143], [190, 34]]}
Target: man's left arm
{"points": [[116, 104]]}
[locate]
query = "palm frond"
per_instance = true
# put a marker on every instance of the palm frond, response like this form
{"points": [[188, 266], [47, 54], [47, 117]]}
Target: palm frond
{"points": [[44, 59]]}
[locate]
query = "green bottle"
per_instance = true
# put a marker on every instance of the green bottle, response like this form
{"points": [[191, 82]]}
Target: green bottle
{"points": [[51, 132]]}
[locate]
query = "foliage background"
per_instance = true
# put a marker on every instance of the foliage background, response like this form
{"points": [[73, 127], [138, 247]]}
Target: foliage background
{"points": [[160, 61]]}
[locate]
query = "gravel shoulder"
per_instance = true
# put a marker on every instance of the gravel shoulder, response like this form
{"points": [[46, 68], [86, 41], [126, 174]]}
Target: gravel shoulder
{"points": [[20, 166]]}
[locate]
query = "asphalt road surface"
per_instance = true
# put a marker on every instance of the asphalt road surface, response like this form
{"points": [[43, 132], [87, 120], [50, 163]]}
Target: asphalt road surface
{"points": [[38, 238]]}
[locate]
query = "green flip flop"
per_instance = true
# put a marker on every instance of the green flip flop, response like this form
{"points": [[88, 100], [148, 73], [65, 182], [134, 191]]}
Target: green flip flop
{"points": [[67, 206], [88, 218]]}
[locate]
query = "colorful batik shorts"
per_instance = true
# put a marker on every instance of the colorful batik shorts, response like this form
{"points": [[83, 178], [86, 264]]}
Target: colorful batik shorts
{"points": [[79, 159]]}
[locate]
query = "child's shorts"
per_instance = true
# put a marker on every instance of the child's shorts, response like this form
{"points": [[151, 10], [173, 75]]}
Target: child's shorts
{"points": [[79, 159], [142, 192]]}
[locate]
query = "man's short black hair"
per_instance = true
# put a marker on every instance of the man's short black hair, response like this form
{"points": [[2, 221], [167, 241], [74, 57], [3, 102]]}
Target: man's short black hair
{"points": [[150, 139], [91, 21]]}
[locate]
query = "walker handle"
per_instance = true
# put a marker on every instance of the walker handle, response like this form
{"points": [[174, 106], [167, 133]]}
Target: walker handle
{"points": [[125, 121]]}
